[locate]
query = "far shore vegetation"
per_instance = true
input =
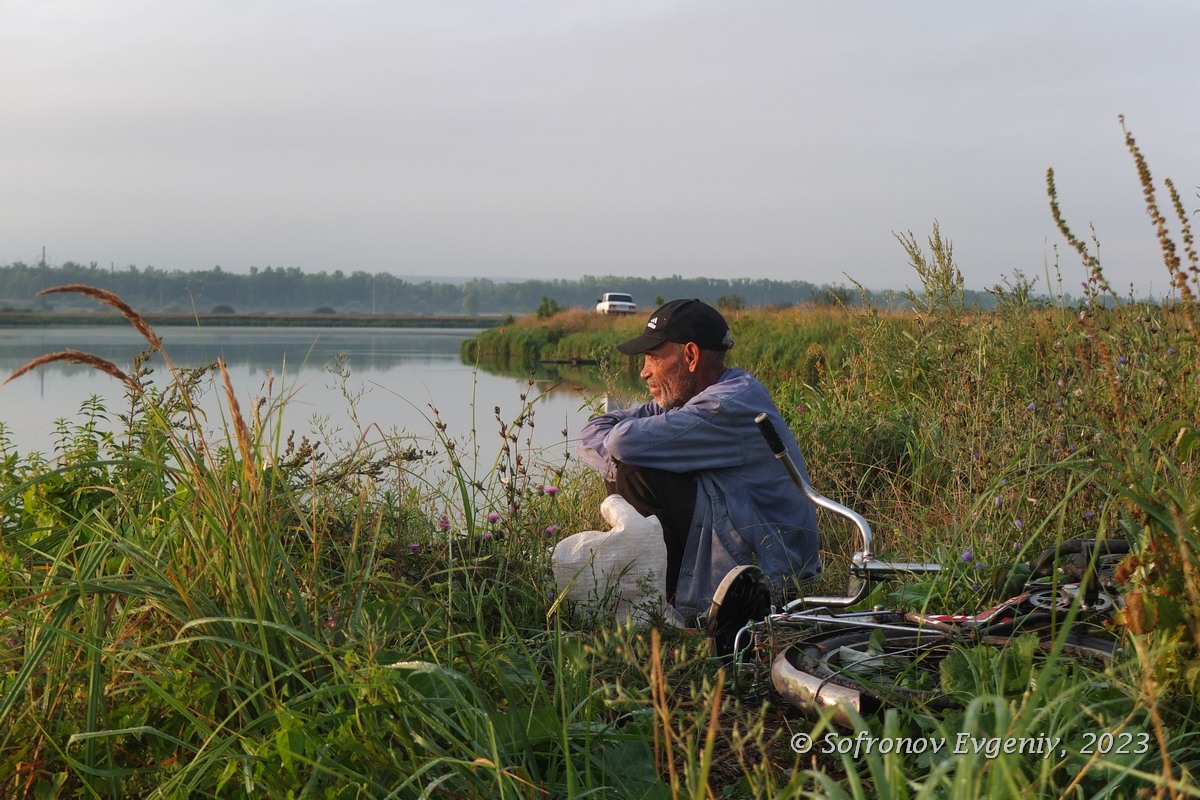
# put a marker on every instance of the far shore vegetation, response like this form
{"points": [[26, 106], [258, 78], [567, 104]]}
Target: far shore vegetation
{"points": [[171, 295]]}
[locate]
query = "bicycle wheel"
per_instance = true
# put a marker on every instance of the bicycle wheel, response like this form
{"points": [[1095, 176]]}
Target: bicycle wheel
{"points": [[865, 670]]}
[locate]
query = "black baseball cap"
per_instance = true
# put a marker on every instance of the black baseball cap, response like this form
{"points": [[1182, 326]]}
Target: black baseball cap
{"points": [[682, 321]]}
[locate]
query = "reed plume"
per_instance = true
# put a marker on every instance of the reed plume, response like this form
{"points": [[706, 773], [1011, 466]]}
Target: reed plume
{"points": [[239, 426], [110, 299], [76, 357]]}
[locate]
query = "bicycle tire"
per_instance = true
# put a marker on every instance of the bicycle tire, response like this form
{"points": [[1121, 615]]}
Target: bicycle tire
{"points": [[813, 675]]}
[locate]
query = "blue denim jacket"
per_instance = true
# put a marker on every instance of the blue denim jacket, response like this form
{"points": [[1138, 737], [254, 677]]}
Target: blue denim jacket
{"points": [[747, 509]]}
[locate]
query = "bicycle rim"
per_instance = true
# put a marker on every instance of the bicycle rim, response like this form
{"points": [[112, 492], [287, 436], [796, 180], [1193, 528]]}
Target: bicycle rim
{"points": [[866, 670]]}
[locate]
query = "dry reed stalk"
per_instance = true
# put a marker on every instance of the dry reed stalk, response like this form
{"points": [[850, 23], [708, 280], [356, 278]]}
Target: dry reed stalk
{"points": [[108, 298], [76, 357], [664, 755], [239, 426]]}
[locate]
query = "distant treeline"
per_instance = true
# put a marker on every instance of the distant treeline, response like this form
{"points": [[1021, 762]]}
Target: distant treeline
{"points": [[291, 290]]}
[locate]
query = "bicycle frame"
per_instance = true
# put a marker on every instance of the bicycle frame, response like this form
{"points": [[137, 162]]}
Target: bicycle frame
{"points": [[865, 568]]}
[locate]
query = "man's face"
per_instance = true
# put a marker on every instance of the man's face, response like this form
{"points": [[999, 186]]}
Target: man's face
{"points": [[667, 375]]}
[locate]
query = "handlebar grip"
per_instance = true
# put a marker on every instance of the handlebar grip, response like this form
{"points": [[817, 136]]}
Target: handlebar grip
{"points": [[769, 433]]}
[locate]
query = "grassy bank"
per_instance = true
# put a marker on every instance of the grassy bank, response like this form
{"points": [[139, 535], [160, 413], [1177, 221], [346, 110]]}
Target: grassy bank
{"points": [[779, 339], [251, 615]]}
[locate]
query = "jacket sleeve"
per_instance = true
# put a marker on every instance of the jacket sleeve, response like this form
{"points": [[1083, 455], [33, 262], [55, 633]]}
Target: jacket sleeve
{"points": [[706, 433], [593, 438]]}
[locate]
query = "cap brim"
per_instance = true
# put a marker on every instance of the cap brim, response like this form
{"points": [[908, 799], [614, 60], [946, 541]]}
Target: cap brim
{"points": [[647, 341]]}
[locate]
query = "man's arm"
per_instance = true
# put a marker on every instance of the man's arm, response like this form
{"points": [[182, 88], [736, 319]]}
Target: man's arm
{"points": [[706, 433], [710, 431], [593, 447]]}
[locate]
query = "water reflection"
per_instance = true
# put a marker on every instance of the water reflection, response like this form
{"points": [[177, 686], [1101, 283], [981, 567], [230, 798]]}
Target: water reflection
{"points": [[395, 377]]}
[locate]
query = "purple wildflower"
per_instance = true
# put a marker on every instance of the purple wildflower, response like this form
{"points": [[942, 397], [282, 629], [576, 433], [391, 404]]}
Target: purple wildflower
{"points": [[550, 490], [968, 556], [1018, 523], [493, 516], [414, 547], [551, 530], [443, 523]]}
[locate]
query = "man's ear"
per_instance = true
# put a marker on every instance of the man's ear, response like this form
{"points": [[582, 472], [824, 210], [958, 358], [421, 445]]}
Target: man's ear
{"points": [[691, 354]]}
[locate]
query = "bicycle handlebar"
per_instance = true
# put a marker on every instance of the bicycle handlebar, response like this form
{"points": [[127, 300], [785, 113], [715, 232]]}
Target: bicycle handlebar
{"points": [[863, 563], [776, 444]]}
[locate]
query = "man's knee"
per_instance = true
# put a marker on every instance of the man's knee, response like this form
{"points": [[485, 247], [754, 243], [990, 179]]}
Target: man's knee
{"points": [[656, 487]]}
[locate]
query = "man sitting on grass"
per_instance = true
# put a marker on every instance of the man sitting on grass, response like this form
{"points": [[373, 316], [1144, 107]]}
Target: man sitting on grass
{"points": [[736, 529]]}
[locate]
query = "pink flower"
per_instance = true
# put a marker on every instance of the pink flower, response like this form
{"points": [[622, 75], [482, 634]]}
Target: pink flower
{"points": [[443, 523], [550, 490], [552, 530], [493, 517]]}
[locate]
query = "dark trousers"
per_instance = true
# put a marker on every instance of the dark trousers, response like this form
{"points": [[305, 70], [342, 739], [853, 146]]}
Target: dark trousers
{"points": [[670, 496]]}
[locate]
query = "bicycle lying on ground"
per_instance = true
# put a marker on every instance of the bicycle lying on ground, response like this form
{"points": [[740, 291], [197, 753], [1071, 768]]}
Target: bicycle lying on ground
{"points": [[862, 660]]}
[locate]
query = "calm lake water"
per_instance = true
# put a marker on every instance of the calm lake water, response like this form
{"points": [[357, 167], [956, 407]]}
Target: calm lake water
{"points": [[395, 375]]}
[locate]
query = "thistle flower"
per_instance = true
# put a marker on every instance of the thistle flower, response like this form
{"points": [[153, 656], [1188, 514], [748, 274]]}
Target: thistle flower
{"points": [[443, 523], [550, 490], [493, 517]]}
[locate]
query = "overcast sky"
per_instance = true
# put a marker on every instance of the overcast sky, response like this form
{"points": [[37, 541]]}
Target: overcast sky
{"points": [[502, 139]]}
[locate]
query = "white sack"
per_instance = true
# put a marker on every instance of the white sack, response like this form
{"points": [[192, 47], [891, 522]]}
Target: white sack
{"points": [[624, 568]]}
